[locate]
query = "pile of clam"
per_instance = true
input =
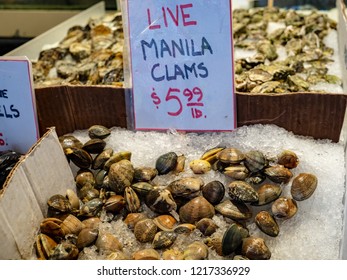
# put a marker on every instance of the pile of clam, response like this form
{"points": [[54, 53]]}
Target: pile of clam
{"points": [[307, 59], [119, 212], [87, 55]]}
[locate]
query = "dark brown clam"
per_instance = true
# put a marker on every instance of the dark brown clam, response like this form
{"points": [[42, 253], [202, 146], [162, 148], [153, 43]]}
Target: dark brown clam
{"points": [[266, 223], [284, 208], [52, 227], [94, 146], [80, 157], [166, 163], [288, 159], [213, 191], [267, 193], [255, 248], [207, 226], [44, 246], [195, 210], [255, 161], [232, 238], [241, 190], [303, 186], [142, 188], [98, 131]]}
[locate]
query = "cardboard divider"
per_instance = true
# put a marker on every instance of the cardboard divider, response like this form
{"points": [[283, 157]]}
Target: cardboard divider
{"points": [[41, 173]]}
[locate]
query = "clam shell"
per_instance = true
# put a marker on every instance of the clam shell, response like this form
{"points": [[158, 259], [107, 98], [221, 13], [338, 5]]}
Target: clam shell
{"points": [[164, 239], [98, 131], [146, 254], [172, 254], [255, 248], [230, 155], [165, 222], [237, 172], [166, 163], [195, 210], [108, 243], [288, 159], [236, 210], [241, 190], [213, 191], [232, 238], [115, 203], [80, 157], [196, 251], [255, 161], [132, 200], [161, 201], [145, 230], [284, 208], [185, 187], [266, 223], [121, 175], [200, 166], [133, 218], [72, 225], [303, 186], [94, 146], [267, 193], [207, 226], [278, 174]]}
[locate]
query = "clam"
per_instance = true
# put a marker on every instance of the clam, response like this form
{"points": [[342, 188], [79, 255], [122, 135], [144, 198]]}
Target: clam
{"points": [[44, 246], [161, 201], [172, 254], [81, 158], [185, 187], [184, 228], [196, 251], [132, 200], [255, 161], [117, 255], [164, 239], [195, 210], [211, 154], [303, 186], [145, 230], [232, 238], [100, 160], [94, 146], [65, 251], [230, 155], [236, 210], [86, 237], [207, 226], [241, 190], [115, 203], [288, 159], [166, 163], [256, 178], [200, 166], [107, 243], [284, 208], [73, 199], [165, 222], [116, 157], [255, 248], [144, 174], [121, 175], [92, 222], [72, 225], [133, 218], [278, 174], [267, 193], [92, 207], [266, 223], [83, 177], [146, 254], [142, 188], [98, 131], [58, 205], [213, 191], [237, 172], [88, 192], [52, 227], [181, 162], [70, 141]]}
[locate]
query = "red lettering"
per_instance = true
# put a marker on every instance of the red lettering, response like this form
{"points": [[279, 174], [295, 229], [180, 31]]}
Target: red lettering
{"points": [[150, 23], [186, 16], [175, 19]]}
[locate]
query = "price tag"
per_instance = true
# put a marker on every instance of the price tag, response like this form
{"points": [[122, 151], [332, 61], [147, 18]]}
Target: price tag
{"points": [[18, 120], [181, 64]]}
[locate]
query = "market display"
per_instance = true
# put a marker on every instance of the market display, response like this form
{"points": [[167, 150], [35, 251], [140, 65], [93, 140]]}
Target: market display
{"points": [[227, 201], [88, 55]]}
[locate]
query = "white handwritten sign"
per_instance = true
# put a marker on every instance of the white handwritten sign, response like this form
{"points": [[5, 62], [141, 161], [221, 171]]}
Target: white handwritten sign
{"points": [[181, 64], [18, 120]]}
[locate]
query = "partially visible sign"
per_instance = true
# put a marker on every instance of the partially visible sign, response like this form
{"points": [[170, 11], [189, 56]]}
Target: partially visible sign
{"points": [[181, 64], [18, 119]]}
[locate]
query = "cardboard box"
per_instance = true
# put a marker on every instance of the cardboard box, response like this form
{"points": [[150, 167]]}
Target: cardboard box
{"points": [[68, 108]]}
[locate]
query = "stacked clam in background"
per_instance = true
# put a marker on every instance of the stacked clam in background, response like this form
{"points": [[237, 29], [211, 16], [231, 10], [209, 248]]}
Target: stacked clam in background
{"points": [[119, 212]]}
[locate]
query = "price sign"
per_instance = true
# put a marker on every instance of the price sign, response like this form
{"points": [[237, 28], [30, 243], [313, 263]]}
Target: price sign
{"points": [[181, 64], [18, 120]]}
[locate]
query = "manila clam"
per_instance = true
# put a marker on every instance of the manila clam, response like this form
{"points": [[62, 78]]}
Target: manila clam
{"points": [[284, 208], [213, 191], [196, 209], [255, 248], [145, 230], [267, 223], [166, 163], [241, 190], [303, 186]]}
